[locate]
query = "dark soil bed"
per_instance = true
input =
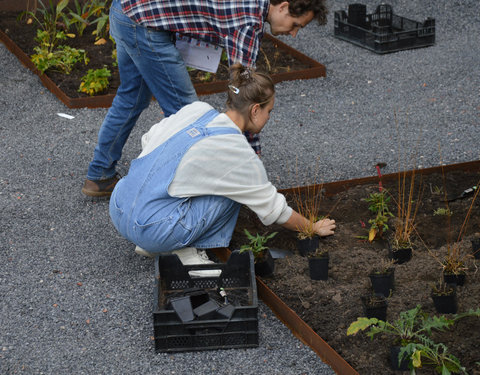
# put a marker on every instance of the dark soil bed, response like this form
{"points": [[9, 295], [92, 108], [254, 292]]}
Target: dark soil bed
{"points": [[101, 55], [330, 306]]}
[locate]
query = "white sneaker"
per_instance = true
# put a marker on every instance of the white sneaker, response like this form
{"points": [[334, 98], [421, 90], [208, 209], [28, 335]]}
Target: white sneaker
{"points": [[143, 252], [190, 256]]}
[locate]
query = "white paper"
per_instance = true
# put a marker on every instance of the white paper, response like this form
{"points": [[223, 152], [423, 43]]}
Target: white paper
{"points": [[66, 116], [198, 54]]}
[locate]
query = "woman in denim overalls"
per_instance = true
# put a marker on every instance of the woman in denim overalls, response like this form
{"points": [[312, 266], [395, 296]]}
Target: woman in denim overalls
{"points": [[196, 170]]}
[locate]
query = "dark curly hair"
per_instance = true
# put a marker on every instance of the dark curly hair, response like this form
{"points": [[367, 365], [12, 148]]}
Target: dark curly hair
{"points": [[298, 8]]}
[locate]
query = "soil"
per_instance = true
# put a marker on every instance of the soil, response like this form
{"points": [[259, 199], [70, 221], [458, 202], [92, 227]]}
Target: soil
{"points": [[271, 59], [330, 306]]}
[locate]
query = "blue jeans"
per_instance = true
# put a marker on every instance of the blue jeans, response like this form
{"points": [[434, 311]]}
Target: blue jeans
{"points": [[149, 64]]}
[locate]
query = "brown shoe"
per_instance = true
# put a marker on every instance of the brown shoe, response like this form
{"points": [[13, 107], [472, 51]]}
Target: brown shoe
{"points": [[100, 188]]}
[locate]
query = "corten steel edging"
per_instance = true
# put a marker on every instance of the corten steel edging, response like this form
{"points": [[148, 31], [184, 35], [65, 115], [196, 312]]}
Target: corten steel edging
{"points": [[299, 328], [303, 331], [332, 188], [104, 101]]}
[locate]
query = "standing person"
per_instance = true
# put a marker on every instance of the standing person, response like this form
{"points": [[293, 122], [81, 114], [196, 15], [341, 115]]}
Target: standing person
{"points": [[185, 190], [149, 64]]}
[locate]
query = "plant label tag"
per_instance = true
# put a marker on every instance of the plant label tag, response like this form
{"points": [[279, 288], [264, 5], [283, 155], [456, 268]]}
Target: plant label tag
{"points": [[198, 54]]}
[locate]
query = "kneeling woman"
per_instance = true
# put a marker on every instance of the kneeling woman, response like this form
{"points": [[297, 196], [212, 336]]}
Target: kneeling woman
{"points": [[196, 169]]}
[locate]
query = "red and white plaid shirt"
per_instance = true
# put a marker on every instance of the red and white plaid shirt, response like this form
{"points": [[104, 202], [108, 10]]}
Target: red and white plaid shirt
{"points": [[236, 25]]}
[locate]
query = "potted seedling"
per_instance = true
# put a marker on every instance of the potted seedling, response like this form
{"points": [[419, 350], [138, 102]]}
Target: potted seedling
{"points": [[375, 306], [382, 277], [378, 204], [454, 262], [318, 264], [408, 202], [307, 202], [454, 269], [444, 297], [411, 326], [264, 264], [427, 353]]}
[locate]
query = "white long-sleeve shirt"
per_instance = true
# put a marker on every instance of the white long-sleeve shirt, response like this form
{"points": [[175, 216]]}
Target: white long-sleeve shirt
{"points": [[223, 165]]}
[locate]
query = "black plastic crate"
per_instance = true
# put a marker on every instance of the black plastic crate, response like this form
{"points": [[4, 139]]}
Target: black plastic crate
{"points": [[382, 31], [233, 325]]}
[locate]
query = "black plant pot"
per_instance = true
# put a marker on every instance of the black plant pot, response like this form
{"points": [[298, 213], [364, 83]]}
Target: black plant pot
{"points": [[476, 248], [401, 255], [445, 303], [382, 283], [403, 366], [318, 267], [265, 266], [457, 279], [377, 308], [308, 245]]}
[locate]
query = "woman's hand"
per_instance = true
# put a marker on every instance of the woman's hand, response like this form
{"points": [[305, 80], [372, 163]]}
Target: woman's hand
{"points": [[324, 227]]}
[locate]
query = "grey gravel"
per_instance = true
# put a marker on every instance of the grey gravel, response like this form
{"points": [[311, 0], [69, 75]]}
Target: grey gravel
{"points": [[75, 299]]}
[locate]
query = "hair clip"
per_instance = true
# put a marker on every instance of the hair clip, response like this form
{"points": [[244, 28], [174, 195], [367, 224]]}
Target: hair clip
{"points": [[235, 90]]}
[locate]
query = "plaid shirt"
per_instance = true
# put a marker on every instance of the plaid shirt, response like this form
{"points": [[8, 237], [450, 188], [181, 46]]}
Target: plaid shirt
{"points": [[236, 25]]}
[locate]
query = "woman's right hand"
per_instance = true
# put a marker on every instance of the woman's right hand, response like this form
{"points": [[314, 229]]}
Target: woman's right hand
{"points": [[324, 227]]}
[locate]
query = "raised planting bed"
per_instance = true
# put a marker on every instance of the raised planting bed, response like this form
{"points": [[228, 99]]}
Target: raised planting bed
{"points": [[281, 61], [319, 312]]}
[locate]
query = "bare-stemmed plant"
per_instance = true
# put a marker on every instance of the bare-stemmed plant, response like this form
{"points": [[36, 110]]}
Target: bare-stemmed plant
{"points": [[408, 200]]}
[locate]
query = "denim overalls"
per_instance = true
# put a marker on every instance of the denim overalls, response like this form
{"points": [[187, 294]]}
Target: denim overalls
{"points": [[143, 212]]}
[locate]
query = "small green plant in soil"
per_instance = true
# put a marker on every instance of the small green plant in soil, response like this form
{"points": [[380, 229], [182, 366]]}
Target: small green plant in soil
{"points": [[49, 19], [378, 204], [86, 13], [411, 325], [441, 211], [256, 244], [95, 81], [427, 353], [61, 59], [412, 331], [49, 54]]}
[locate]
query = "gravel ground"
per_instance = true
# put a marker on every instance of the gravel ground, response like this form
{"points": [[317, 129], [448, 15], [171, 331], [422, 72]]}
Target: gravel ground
{"points": [[75, 299]]}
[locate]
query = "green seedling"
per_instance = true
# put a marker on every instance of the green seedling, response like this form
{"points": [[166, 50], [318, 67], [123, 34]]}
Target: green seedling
{"points": [[442, 212], [95, 81], [256, 244]]}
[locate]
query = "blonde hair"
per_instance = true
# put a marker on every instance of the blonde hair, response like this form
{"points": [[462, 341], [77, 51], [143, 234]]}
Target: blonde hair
{"points": [[248, 87]]}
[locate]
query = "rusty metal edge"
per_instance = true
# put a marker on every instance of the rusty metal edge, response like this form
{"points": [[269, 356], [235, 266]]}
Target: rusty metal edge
{"points": [[299, 328], [104, 101], [332, 188]]}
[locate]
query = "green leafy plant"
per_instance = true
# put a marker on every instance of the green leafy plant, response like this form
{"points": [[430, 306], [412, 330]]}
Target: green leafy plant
{"points": [[49, 20], [410, 325], [95, 81], [86, 13], [378, 204], [427, 353], [442, 212], [411, 331], [62, 58], [256, 244]]}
